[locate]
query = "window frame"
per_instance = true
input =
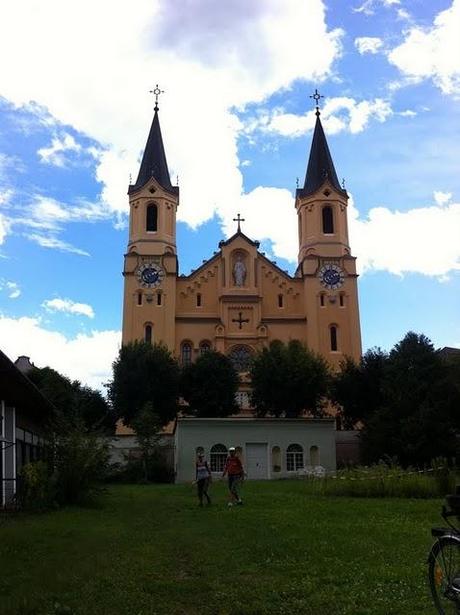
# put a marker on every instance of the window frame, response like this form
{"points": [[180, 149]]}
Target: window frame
{"points": [[148, 333], [334, 338], [327, 220], [186, 346], [218, 454], [295, 458], [151, 207]]}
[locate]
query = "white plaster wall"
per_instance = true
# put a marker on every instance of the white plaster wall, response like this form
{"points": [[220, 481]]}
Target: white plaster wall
{"points": [[192, 433]]}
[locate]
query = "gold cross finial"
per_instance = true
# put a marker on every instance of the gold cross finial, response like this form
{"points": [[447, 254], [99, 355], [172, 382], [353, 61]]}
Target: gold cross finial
{"points": [[156, 92], [239, 219], [316, 96]]}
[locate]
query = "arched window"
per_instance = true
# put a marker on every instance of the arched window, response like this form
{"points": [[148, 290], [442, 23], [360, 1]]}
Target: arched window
{"points": [[218, 457], [314, 456], [321, 299], [198, 300], [333, 334], [151, 217], [342, 300], [280, 301], [204, 347], [240, 356], [328, 220], [139, 298], [148, 333], [294, 457], [186, 353], [158, 298], [276, 459]]}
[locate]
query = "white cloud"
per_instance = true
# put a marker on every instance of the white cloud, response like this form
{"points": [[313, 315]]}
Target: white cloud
{"points": [[48, 241], [68, 306], [51, 213], [368, 44], [403, 14], [6, 195], [407, 113], [369, 6], [423, 240], [261, 209], [12, 288], [433, 53], [442, 198], [48, 216], [55, 154], [4, 227], [209, 56], [87, 358], [338, 114]]}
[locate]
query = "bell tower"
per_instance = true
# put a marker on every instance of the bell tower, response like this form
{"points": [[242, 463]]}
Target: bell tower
{"points": [[325, 261], [150, 268]]}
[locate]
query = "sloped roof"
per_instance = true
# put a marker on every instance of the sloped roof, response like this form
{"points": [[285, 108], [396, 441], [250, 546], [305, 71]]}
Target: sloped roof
{"points": [[154, 162], [320, 165], [17, 390]]}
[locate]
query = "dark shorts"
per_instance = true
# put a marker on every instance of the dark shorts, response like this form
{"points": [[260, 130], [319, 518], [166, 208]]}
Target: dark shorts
{"points": [[233, 482]]}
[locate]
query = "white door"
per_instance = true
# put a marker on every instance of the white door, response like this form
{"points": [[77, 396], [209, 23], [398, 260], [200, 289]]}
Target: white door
{"points": [[256, 460]]}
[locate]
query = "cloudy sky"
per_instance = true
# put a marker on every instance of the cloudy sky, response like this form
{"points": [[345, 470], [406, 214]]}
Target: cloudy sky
{"points": [[237, 119]]}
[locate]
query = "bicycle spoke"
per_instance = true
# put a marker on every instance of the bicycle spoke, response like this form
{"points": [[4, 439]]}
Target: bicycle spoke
{"points": [[445, 576]]}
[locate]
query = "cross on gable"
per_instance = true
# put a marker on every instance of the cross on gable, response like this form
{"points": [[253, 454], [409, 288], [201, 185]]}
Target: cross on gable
{"points": [[240, 320], [239, 219]]}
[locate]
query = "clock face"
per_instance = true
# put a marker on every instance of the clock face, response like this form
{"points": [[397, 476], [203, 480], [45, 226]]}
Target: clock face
{"points": [[331, 276], [150, 275]]}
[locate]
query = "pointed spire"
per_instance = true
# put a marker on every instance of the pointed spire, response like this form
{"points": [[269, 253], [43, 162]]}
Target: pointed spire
{"points": [[154, 160], [320, 165]]}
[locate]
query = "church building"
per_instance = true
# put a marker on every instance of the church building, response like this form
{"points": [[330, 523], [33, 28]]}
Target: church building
{"points": [[238, 300]]}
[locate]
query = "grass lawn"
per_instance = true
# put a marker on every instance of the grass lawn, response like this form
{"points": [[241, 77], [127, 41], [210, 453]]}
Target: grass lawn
{"points": [[150, 550]]}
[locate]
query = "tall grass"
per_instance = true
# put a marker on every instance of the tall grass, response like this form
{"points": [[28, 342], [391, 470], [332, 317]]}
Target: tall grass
{"points": [[388, 480]]}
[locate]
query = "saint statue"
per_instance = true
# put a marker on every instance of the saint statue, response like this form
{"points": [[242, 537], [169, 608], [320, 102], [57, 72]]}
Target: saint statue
{"points": [[239, 271]]}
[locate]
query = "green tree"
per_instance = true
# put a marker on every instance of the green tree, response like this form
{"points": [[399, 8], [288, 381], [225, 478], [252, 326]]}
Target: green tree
{"points": [[209, 386], [76, 405], [145, 373], [147, 426], [418, 417], [358, 387], [288, 379]]}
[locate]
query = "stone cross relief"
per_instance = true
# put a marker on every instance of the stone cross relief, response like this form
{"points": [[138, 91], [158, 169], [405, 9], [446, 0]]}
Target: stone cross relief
{"points": [[239, 271]]}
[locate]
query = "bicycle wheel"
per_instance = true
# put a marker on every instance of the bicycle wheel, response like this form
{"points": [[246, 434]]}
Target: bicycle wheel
{"points": [[444, 575]]}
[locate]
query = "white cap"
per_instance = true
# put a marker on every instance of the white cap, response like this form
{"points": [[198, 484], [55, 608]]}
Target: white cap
{"points": [[231, 448]]}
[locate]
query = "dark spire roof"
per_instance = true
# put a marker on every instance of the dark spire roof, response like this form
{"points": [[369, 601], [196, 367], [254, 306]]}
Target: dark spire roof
{"points": [[320, 165], [154, 160]]}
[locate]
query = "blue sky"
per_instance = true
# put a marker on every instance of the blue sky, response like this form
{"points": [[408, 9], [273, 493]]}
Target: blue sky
{"points": [[237, 120]]}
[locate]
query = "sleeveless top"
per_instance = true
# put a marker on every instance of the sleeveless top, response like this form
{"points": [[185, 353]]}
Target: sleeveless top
{"points": [[202, 470]]}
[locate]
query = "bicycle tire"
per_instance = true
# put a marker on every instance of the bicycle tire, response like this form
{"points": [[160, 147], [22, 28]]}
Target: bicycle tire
{"points": [[443, 569]]}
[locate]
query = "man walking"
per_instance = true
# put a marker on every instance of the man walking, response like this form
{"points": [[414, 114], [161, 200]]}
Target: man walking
{"points": [[234, 470]]}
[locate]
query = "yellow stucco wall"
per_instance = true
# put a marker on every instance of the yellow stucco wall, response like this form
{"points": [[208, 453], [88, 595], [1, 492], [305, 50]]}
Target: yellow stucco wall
{"points": [[178, 316]]}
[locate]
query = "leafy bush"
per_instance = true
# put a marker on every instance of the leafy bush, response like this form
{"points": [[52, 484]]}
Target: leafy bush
{"points": [[134, 471], [388, 480], [35, 488], [80, 464]]}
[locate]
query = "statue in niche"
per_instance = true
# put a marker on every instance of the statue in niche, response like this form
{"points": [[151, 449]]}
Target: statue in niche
{"points": [[239, 271]]}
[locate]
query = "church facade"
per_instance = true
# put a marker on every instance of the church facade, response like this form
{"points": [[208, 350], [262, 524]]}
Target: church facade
{"points": [[238, 301]]}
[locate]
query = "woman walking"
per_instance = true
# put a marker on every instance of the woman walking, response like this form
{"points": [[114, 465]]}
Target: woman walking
{"points": [[234, 470], [202, 479]]}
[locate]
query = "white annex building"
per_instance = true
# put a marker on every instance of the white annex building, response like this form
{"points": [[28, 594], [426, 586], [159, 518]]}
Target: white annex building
{"points": [[268, 448]]}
